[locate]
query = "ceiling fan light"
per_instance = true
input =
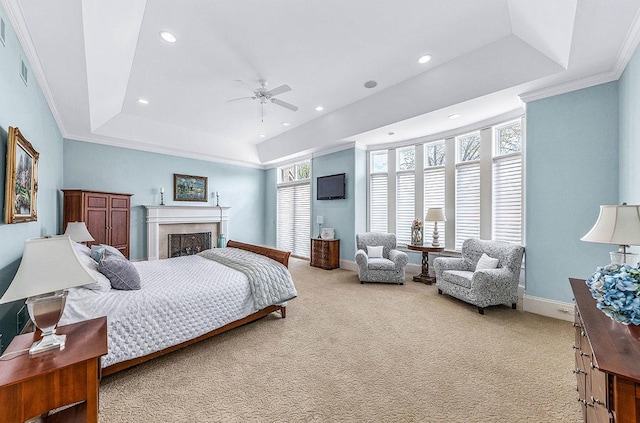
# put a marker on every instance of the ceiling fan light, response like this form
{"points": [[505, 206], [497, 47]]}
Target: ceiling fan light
{"points": [[168, 37]]}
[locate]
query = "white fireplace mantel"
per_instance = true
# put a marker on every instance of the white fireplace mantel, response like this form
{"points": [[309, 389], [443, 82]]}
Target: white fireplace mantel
{"points": [[169, 215]]}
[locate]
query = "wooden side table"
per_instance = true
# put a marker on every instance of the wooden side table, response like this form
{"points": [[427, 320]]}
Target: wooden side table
{"points": [[31, 386], [325, 253], [425, 250]]}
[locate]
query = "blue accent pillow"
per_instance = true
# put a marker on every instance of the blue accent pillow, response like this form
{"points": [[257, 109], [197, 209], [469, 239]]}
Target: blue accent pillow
{"points": [[98, 250], [121, 272]]}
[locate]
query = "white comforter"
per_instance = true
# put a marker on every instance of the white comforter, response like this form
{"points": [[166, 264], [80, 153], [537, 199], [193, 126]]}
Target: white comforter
{"points": [[181, 298]]}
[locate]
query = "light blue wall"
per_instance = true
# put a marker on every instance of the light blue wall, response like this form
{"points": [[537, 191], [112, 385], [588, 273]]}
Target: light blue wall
{"points": [[24, 106], [338, 214], [629, 88], [105, 168], [571, 169]]}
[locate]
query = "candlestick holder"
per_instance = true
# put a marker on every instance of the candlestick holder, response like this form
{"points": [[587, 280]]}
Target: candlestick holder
{"points": [[161, 198]]}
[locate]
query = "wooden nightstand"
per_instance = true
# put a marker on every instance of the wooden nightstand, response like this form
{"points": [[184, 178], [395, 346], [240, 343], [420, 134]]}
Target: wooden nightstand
{"points": [[325, 253], [31, 386]]}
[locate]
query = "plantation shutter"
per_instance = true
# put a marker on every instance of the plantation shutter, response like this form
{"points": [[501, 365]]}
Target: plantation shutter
{"points": [[467, 202], [507, 198], [405, 206], [433, 197], [294, 219], [378, 202]]}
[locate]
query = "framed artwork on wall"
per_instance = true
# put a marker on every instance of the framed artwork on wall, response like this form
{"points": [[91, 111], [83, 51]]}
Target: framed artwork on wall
{"points": [[22, 179], [190, 188]]}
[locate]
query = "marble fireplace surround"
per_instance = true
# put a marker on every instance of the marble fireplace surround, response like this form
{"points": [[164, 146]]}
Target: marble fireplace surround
{"points": [[163, 220]]}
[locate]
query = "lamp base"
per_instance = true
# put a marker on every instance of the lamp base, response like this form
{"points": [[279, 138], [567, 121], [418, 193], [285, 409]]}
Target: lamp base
{"points": [[624, 258], [48, 342], [45, 311]]}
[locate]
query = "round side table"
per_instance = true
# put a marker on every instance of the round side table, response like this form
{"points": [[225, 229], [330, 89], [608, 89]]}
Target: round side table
{"points": [[425, 250]]}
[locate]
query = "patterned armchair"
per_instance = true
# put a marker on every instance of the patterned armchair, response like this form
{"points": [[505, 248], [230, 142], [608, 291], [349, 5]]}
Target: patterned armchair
{"points": [[459, 278], [388, 268]]}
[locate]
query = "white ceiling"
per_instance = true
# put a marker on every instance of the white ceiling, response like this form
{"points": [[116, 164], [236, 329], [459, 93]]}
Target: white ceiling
{"points": [[95, 59]]}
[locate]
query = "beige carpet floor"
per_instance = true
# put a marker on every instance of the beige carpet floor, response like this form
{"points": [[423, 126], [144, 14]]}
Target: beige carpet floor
{"points": [[349, 352]]}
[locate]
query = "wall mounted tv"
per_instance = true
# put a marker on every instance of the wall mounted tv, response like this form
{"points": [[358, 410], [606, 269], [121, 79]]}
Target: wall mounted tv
{"points": [[331, 187]]}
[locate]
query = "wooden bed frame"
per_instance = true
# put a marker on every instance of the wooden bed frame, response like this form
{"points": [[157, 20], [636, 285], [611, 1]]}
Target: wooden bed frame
{"points": [[277, 255]]}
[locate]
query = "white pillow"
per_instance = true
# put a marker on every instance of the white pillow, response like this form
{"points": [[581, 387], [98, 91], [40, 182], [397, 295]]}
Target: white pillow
{"points": [[486, 262], [81, 248], [375, 252]]}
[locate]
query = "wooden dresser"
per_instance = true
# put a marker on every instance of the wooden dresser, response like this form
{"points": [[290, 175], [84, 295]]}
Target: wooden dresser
{"points": [[106, 214], [325, 253], [607, 357]]}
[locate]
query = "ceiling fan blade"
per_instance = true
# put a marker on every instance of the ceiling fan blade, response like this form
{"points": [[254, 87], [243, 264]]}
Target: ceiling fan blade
{"points": [[284, 104], [241, 98], [279, 90], [244, 84]]}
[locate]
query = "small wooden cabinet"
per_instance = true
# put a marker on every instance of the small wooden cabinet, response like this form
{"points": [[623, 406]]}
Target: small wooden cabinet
{"points": [[106, 214], [31, 386], [325, 253], [607, 354]]}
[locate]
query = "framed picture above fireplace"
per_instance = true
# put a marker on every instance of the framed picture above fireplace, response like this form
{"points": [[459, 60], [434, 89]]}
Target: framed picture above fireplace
{"points": [[190, 188]]}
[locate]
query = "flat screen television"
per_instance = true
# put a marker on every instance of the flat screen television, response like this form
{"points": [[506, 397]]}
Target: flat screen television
{"points": [[331, 187]]}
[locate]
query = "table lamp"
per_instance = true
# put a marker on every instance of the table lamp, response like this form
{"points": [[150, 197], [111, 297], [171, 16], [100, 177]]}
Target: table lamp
{"points": [[435, 215], [78, 232], [617, 225], [48, 266]]}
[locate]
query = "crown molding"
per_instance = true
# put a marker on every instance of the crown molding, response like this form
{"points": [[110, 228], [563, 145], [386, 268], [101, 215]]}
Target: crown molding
{"points": [[566, 87], [169, 151]]}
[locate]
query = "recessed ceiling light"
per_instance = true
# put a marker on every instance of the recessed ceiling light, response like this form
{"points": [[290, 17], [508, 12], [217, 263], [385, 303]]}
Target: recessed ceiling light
{"points": [[168, 37], [285, 124], [424, 58], [262, 135], [370, 84], [319, 108], [143, 101], [454, 116]]}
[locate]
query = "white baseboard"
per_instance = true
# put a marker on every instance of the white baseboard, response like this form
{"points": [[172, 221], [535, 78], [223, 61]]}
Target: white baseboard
{"points": [[549, 308]]}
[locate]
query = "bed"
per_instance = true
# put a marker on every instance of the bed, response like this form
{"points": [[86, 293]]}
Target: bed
{"points": [[184, 300]]}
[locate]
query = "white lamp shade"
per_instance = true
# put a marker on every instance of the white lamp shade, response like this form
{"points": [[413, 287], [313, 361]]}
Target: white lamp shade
{"points": [[435, 214], [320, 220], [78, 232], [616, 225], [48, 265]]}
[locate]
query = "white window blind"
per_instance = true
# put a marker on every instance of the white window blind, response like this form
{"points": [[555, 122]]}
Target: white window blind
{"points": [[294, 219], [467, 202], [405, 206], [507, 198], [433, 197], [378, 202]]}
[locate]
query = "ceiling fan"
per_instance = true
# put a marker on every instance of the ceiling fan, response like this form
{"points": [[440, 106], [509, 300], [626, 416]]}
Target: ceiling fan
{"points": [[263, 95]]}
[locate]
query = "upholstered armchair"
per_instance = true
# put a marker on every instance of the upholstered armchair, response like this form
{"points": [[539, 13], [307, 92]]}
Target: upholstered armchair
{"points": [[378, 259], [494, 281]]}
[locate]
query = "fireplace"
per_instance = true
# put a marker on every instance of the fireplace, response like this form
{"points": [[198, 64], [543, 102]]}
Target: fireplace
{"points": [[188, 244], [165, 220]]}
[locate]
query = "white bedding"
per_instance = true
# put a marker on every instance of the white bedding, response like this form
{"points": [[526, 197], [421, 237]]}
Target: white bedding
{"points": [[181, 298]]}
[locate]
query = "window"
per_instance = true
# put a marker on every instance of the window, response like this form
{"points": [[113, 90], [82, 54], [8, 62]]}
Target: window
{"points": [[467, 188], [434, 161], [507, 183], [294, 209], [378, 192], [478, 175], [405, 193]]}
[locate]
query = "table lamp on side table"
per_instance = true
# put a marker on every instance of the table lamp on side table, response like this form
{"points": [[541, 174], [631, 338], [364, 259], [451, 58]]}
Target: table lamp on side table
{"points": [[48, 266], [617, 225], [78, 232], [435, 215]]}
